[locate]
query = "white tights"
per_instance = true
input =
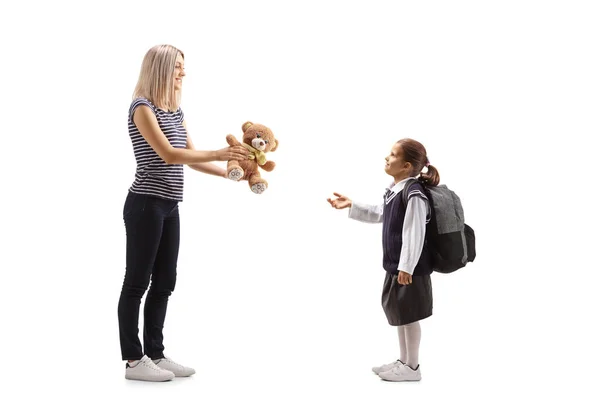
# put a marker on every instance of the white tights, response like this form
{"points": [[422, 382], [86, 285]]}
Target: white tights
{"points": [[410, 339]]}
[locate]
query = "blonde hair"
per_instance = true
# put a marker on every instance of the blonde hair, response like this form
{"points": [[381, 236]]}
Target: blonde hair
{"points": [[156, 81]]}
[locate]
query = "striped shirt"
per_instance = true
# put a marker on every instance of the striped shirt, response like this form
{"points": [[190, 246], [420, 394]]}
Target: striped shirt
{"points": [[153, 176]]}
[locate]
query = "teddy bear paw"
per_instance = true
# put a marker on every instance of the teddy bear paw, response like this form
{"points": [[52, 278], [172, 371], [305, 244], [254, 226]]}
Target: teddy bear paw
{"points": [[258, 188], [235, 174]]}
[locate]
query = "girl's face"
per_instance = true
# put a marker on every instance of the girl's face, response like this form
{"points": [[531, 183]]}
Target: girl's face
{"points": [[179, 72], [395, 164]]}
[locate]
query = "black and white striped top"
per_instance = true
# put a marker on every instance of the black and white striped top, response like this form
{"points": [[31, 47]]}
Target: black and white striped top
{"points": [[153, 176]]}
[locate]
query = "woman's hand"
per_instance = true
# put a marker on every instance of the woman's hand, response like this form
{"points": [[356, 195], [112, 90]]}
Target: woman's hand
{"points": [[238, 153], [404, 278], [341, 201]]}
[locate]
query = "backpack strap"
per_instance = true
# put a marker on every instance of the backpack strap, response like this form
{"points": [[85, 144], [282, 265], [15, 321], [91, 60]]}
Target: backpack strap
{"points": [[406, 190], [409, 184]]}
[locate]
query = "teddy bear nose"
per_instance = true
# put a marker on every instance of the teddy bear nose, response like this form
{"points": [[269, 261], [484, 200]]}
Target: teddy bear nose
{"points": [[262, 143]]}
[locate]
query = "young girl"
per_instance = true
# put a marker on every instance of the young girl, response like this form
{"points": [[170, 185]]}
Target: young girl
{"points": [[407, 296], [161, 145]]}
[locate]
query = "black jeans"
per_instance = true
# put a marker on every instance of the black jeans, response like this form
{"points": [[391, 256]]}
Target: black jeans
{"points": [[152, 227]]}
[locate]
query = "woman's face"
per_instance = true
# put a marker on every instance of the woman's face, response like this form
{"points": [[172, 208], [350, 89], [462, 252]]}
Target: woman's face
{"points": [[179, 72]]}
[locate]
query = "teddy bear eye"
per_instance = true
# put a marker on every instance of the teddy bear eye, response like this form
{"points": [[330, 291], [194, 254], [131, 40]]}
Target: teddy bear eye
{"points": [[266, 141], [258, 135]]}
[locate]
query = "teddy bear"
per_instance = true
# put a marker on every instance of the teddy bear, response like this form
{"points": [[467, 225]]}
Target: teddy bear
{"points": [[259, 140]]}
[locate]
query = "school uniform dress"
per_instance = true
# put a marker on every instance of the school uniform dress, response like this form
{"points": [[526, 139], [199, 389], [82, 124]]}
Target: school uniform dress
{"points": [[404, 249]]}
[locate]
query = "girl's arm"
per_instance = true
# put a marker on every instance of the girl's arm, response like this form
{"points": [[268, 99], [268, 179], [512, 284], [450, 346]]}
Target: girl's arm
{"points": [[359, 211], [207, 168], [146, 122], [366, 213], [413, 234]]}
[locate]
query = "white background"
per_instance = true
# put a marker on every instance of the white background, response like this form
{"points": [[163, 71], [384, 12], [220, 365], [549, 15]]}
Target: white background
{"points": [[278, 295]]}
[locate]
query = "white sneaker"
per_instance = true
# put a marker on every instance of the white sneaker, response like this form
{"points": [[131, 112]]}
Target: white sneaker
{"points": [[170, 365], [386, 367], [146, 370], [401, 373]]}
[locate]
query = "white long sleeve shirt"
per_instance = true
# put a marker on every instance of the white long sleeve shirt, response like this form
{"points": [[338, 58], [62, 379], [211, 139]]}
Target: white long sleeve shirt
{"points": [[413, 231]]}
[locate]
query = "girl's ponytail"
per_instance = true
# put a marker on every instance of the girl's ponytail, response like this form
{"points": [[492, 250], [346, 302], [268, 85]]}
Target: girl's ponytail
{"points": [[431, 177]]}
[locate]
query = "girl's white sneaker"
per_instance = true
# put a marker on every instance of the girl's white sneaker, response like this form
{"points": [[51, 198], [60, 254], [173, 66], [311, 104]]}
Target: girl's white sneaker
{"points": [[401, 373], [386, 367]]}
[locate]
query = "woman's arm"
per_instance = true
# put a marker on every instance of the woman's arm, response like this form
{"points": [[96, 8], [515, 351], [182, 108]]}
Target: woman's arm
{"points": [[207, 168], [146, 122]]}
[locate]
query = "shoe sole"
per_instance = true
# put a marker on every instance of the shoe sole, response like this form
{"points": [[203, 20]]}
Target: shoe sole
{"points": [[184, 376], [149, 380], [401, 380]]}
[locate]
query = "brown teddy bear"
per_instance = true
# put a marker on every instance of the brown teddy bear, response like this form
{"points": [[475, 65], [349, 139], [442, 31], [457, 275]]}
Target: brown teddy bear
{"points": [[259, 140]]}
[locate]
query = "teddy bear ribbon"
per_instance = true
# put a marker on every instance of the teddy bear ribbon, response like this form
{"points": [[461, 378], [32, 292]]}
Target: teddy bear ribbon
{"points": [[260, 156]]}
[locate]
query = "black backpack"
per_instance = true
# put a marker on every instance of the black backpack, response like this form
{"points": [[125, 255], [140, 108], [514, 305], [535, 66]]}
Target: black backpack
{"points": [[450, 240]]}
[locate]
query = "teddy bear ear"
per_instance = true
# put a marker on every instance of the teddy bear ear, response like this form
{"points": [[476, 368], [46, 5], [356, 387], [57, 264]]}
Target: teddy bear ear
{"points": [[246, 125], [276, 144]]}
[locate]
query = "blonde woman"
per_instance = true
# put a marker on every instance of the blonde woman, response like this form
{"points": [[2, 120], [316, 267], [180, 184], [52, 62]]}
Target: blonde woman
{"points": [[161, 145]]}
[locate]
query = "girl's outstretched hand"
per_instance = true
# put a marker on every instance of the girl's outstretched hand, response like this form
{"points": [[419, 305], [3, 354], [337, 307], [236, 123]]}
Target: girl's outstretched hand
{"points": [[404, 278], [340, 202]]}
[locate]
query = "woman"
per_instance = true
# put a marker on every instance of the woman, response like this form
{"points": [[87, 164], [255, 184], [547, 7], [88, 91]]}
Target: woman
{"points": [[161, 146]]}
